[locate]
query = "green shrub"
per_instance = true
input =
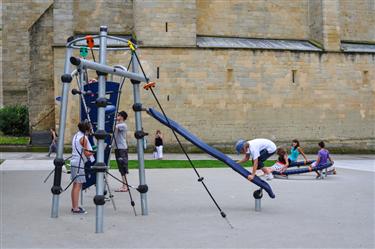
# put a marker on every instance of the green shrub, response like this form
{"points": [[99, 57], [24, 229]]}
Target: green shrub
{"points": [[14, 120]]}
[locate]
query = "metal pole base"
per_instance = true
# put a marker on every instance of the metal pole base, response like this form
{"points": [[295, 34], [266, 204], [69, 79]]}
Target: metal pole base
{"points": [[258, 194], [258, 206], [55, 206], [111, 196]]}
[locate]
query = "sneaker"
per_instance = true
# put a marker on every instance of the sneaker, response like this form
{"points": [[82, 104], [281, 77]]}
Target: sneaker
{"points": [[79, 211], [269, 177], [122, 189]]}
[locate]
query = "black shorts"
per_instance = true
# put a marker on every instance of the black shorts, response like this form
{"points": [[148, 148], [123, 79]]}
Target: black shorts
{"points": [[264, 155], [122, 164]]}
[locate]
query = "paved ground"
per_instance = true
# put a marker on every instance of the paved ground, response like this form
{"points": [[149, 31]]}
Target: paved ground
{"points": [[39, 161], [337, 212], [167, 156]]}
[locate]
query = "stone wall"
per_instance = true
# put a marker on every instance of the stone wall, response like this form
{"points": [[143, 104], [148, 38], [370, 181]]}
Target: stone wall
{"points": [[357, 20], [316, 21], [165, 23], [331, 25], [243, 93], [218, 94], [224, 94], [63, 21], [18, 17], [1, 55], [89, 15], [262, 19], [74, 17]]}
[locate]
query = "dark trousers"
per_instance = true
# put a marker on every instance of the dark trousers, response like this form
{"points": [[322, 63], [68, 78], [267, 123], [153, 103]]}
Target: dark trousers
{"points": [[264, 155], [52, 148], [123, 162]]}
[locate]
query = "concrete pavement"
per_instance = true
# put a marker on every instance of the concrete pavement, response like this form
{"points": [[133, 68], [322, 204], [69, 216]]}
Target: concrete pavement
{"points": [[337, 212], [169, 156], [39, 161], [333, 213]]}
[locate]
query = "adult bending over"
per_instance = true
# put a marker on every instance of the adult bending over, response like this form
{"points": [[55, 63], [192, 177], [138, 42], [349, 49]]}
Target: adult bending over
{"points": [[260, 150]]}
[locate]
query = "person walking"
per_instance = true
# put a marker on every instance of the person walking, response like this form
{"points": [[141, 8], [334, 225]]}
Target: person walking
{"points": [[53, 145]]}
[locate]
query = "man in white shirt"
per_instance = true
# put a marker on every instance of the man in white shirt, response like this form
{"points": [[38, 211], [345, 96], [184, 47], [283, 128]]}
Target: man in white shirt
{"points": [[260, 149]]}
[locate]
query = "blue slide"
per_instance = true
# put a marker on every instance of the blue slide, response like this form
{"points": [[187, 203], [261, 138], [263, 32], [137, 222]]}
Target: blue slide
{"points": [[303, 170], [209, 150], [298, 164]]}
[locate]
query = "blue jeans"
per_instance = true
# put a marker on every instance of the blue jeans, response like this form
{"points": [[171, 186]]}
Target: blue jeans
{"points": [[264, 155]]}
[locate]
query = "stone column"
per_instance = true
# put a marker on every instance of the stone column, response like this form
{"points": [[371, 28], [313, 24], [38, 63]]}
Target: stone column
{"points": [[331, 25], [63, 21], [324, 23], [40, 88]]}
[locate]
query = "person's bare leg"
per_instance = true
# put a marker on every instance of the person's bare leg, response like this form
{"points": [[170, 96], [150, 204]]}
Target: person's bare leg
{"points": [[49, 151], [124, 187], [72, 195], [75, 195], [266, 171], [317, 174]]}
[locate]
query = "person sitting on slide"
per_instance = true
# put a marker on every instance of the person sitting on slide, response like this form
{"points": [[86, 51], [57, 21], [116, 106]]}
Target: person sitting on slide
{"points": [[323, 157], [295, 151], [260, 150], [282, 162]]}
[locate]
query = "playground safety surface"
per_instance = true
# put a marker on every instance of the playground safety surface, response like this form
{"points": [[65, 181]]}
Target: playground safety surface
{"points": [[337, 212]]}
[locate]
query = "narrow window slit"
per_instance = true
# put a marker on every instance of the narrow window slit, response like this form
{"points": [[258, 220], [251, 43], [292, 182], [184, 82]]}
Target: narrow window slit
{"points": [[294, 74]]}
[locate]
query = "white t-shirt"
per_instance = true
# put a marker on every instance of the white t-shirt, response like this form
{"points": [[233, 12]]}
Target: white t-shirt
{"points": [[256, 145], [78, 155], [120, 136]]}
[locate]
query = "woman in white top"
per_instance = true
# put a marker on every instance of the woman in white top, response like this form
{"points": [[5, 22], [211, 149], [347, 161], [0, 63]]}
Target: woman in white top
{"points": [[81, 152]]}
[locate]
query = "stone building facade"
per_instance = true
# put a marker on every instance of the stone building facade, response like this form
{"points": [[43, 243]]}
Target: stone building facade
{"points": [[220, 93]]}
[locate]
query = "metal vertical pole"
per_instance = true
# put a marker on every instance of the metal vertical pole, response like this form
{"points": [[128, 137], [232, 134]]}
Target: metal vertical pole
{"points": [[66, 79], [139, 131], [258, 206], [100, 134], [81, 78], [258, 194]]}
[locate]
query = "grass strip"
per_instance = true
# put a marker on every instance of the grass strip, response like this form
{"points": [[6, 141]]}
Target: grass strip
{"points": [[10, 140], [181, 164]]}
